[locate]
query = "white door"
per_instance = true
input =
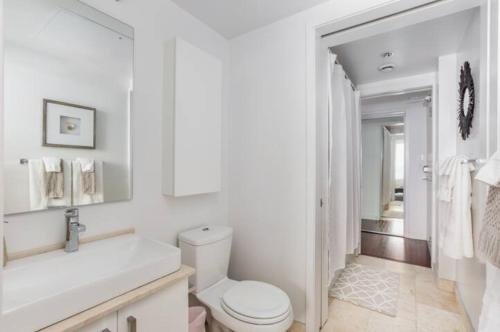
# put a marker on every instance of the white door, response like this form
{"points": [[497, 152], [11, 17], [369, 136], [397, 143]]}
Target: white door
{"points": [[164, 311], [416, 187]]}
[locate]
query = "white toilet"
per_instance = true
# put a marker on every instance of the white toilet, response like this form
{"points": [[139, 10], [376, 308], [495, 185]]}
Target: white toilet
{"points": [[241, 306]]}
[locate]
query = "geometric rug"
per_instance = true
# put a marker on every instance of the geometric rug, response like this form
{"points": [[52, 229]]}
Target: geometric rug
{"points": [[373, 289]]}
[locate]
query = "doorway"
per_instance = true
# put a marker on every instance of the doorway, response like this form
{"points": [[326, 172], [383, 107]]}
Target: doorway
{"points": [[395, 85], [383, 180]]}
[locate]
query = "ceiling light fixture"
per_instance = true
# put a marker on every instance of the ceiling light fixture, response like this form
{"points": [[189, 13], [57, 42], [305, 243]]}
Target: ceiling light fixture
{"points": [[387, 54], [386, 67]]}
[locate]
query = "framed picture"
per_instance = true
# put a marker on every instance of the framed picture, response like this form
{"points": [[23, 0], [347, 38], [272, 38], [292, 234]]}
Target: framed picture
{"points": [[68, 125]]}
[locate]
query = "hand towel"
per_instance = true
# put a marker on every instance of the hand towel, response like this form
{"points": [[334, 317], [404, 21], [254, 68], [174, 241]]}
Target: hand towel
{"points": [[455, 235], [80, 197], [88, 175], [490, 172], [88, 183], [86, 164], [54, 178], [39, 199], [36, 176], [52, 164]]}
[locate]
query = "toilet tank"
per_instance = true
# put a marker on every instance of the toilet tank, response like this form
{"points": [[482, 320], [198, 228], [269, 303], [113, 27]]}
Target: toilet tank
{"points": [[207, 249]]}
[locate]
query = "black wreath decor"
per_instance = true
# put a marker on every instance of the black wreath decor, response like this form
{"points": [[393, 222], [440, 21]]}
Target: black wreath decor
{"points": [[466, 89]]}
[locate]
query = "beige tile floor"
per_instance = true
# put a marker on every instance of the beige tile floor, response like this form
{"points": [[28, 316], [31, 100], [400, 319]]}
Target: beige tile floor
{"points": [[423, 307]]}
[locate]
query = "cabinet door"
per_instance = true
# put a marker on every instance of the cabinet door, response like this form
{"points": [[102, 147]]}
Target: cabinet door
{"points": [[192, 121], [165, 311], [106, 324]]}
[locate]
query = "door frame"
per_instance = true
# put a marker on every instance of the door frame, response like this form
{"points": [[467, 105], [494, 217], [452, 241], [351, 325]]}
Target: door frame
{"points": [[357, 26]]}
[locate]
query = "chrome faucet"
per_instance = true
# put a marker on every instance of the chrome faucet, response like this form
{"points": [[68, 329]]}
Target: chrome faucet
{"points": [[73, 229]]}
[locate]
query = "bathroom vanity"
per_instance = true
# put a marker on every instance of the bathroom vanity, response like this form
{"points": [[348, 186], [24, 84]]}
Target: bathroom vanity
{"points": [[157, 306], [117, 284]]}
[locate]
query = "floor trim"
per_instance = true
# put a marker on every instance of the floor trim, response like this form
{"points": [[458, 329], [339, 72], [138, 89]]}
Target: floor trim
{"points": [[463, 312]]}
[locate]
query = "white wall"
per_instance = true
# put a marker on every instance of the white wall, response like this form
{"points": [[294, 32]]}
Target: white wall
{"points": [[155, 22], [1, 160], [471, 273], [267, 149]]}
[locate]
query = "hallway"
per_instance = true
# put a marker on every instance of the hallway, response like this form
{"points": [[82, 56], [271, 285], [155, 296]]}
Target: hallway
{"points": [[396, 248]]}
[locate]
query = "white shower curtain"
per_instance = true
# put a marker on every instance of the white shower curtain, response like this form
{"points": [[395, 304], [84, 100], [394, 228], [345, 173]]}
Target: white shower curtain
{"points": [[343, 221]]}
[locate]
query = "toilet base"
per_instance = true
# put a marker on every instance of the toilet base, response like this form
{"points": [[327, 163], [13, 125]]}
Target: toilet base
{"points": [[215, 326]]}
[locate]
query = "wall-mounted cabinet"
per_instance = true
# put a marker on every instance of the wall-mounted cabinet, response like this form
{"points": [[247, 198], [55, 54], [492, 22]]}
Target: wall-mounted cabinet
{"points": [[192, 104]]}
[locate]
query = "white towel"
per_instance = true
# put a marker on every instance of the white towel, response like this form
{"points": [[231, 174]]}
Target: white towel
{"points": [[79, 197], [490, 172], [455, 235], [87, 165], [52, 164], [489, 320], [37, 187], [447, 172]]}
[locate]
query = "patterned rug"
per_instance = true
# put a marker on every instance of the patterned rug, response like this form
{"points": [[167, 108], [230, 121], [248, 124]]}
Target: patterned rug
{"points": [[376, 290]]}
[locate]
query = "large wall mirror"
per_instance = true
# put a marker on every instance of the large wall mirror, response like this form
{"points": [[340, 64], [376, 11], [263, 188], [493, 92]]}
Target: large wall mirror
{"points": [[68, 86]]}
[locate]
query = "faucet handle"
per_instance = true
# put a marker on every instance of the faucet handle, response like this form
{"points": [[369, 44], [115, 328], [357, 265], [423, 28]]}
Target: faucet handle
{"points": [[71, 212]]}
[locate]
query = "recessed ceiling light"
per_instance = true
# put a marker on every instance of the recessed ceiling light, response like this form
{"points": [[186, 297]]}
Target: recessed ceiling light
{"points": [[387, 54], [387, 67]]}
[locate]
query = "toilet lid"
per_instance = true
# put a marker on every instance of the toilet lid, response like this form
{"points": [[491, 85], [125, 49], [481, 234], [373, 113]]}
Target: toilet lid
{"points": [[256, 302]]}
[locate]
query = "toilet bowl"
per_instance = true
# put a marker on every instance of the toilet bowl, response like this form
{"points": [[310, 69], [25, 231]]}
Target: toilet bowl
{"points": [[240, 306]]}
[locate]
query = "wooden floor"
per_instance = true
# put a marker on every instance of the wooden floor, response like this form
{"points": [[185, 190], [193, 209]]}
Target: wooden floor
{"points": [[385, 226], [396, 248]]}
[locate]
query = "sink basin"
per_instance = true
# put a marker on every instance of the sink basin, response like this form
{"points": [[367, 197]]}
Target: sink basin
{"points": [[41, 290]]}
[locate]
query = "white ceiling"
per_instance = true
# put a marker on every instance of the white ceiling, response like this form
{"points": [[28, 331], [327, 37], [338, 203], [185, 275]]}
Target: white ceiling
{"points": [[235, 17], [416, 48]]}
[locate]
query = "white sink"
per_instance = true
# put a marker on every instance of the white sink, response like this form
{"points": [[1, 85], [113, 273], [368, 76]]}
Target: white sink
{"points": [[41, 290]]}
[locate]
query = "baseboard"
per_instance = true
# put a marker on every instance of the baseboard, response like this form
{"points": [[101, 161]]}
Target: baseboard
{"points": [[463, 313]]}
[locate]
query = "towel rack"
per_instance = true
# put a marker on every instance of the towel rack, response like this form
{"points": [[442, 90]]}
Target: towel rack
{"points": [[477, 161]]}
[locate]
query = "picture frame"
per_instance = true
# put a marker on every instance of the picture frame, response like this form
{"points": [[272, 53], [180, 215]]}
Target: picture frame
{"points": [[67, 125]]}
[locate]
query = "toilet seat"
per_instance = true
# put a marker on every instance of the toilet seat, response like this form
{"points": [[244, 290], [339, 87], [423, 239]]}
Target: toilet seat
{"points": [[256, 303], [250, 314]]}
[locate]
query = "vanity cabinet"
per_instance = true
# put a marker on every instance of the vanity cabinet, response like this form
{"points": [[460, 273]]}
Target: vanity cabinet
{"points": [[191, 120], [164, 310], [160, 312]]}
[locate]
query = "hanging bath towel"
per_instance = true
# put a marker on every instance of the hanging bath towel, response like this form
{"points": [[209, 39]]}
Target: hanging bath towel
{"points": [[489, 238], [455, 197]]}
